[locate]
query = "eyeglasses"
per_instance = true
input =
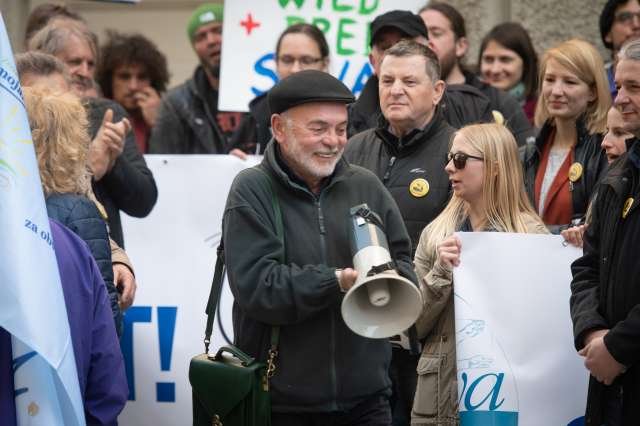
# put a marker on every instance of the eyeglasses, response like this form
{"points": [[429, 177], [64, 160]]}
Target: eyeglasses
{"points": [[460, 159], [304, 61], [627, 17]]}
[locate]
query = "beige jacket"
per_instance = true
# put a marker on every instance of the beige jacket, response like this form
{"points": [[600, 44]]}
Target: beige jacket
{"points": [[436, 398]]}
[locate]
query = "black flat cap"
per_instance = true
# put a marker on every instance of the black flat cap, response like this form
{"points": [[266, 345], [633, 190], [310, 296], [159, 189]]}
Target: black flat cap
{"points": [[307, 86], [406, 22]]}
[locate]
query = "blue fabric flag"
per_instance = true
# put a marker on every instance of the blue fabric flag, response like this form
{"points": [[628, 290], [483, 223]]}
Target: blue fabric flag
{"points": [[32, 306]]}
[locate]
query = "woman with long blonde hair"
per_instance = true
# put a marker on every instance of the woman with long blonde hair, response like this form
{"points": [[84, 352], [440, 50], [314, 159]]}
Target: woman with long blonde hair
{"points": [[562, 167], [486, 178], [59, 125]]}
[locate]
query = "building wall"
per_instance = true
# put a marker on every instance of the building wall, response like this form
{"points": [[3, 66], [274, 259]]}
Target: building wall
{"points": [[548, 21]]}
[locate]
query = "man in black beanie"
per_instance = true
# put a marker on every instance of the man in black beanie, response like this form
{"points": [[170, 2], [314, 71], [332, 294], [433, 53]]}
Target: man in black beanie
{"points": [[324, 372], [619, 23]]}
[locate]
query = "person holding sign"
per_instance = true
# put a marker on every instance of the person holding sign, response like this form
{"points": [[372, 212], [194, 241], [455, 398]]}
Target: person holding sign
{"points": [[300, 47], [605, 292], [486, 178], [563, 166]]}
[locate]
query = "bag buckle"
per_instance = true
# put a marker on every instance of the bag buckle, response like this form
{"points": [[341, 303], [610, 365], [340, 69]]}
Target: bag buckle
{"points": [[271, 369]]}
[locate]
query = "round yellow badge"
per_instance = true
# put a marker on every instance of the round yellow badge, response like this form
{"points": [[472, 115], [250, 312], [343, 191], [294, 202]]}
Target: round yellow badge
{"points": [[419, 187], [575, 172], [627, 207]]}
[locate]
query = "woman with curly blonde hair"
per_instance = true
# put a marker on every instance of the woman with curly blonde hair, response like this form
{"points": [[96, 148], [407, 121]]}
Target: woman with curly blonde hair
{"points": [[486, 178], [59, 130]]}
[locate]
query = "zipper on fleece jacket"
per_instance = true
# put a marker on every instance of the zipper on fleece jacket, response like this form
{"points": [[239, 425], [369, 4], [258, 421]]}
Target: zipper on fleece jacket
{"points": [[387, 172], [332, 340]]}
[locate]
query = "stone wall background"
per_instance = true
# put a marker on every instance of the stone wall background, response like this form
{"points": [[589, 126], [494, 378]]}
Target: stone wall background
{"points": [[548, 21]]}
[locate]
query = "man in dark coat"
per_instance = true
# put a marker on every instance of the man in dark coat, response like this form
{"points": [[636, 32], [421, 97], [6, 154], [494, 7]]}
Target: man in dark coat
{"points": [[605, 299], [188, 121], [461, 104], [448, 39], [325, 373], [407, 152]]}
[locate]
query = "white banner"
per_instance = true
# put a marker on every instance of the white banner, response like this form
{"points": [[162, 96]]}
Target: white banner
{"points": [[173, 251], [515, 355], [251, 29]]}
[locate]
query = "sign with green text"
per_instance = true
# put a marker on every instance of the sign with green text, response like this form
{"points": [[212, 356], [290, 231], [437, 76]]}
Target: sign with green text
{"points": [[252, 27]]}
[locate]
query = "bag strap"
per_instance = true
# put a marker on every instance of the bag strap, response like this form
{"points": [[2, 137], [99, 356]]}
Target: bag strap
{"points": [[218, 280]]}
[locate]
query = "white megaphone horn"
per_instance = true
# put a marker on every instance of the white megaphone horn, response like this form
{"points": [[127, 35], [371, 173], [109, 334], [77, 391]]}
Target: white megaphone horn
{"points": [[381, 303]]}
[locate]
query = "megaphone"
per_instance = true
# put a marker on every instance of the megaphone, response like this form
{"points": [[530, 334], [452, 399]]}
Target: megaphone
{"points": [[381, 303]]}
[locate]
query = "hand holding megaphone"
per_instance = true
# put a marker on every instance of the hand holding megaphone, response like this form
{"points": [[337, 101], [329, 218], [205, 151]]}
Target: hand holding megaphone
{"points": [[380, 303]]}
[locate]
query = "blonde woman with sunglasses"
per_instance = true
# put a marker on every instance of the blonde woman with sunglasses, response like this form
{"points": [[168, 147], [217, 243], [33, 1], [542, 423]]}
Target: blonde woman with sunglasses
{"points": [[488, 195]]}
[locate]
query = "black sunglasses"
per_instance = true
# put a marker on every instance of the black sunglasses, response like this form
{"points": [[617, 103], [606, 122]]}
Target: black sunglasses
{"points": [[460, 159]]}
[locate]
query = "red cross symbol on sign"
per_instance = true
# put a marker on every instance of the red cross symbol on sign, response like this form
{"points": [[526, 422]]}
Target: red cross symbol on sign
{"points": [[249, 24]]}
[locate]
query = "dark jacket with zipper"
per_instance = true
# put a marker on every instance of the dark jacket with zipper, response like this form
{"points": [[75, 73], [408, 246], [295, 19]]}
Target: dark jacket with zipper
{"points": [[254, 132], [129, 185], [460, 105], [322, 366], [186, 122], [81, 216], [605, 292], [587, 151], [399, 162]]}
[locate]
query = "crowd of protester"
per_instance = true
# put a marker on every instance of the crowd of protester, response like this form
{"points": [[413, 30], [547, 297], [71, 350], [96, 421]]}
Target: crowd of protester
{"points": [[519, 143]]}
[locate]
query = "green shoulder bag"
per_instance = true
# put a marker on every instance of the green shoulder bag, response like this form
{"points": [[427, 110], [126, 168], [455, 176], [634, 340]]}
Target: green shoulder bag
{"points": [[231, 388]]}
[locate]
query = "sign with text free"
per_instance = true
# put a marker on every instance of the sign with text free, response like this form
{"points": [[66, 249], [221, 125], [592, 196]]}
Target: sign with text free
{"points": [[252, 27]]}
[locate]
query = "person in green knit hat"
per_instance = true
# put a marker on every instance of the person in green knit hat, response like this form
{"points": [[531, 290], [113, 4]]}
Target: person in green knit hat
{"points": [[188, 121]]}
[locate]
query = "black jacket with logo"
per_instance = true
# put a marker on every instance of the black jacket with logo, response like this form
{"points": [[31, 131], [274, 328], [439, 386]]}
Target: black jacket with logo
{"points": [[322, 365], [587, 151], [605, 292], [400, 163], [460, 105]]}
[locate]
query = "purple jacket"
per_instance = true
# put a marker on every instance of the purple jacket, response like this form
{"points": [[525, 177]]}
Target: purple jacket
{"points": [[99, 361]]}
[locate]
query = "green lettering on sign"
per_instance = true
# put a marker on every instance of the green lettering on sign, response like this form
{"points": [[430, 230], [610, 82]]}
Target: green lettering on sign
{"points": [[298, 3], [343, 35], [292, 20], [323, 23], [366, 10], [341, 7]]}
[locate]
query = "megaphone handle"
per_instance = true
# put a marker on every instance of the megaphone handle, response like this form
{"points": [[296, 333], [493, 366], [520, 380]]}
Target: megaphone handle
{"points": [[414, 343]]}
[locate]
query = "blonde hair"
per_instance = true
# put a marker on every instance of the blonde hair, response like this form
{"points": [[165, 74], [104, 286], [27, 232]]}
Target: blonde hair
{"points": [[505, 201], [582, 59], [59, 124]]}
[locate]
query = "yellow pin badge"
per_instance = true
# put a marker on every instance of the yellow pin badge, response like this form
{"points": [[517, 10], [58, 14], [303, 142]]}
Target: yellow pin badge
{"points": [[627, 207], [419, 187], [575, 172]]}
